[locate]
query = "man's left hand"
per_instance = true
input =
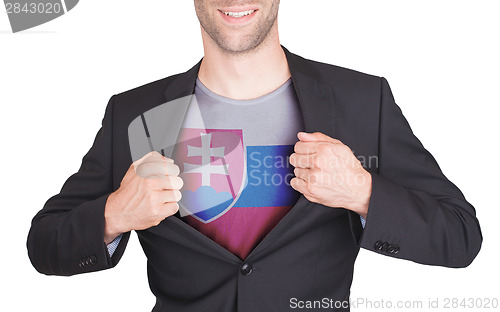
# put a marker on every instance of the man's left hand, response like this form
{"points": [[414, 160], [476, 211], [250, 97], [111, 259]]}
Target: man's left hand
{"points": [[327, 172]]}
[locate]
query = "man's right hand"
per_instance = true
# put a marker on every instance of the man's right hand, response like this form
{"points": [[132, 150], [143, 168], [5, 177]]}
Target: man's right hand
{"points": [[148, 193]]}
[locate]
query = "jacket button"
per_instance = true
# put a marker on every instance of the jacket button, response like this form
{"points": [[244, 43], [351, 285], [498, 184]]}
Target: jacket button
{"points": [[390, 249], [378, 245], [93, 260], [395, 249], [83, 263], [246, 269], [385, 245]]}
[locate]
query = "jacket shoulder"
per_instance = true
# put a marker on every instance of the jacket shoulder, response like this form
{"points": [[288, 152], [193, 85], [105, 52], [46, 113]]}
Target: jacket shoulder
{"points": [[153, 90], [341, 75]]}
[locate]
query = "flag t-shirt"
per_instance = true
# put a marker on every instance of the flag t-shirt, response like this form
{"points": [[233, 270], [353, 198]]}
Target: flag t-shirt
{"points": [[234, 160]]}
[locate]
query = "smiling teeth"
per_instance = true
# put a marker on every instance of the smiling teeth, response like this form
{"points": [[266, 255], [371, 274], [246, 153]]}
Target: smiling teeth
{"points": [[239, 14]]}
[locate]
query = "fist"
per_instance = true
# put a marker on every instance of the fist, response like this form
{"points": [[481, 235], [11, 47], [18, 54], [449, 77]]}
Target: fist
{"points": [[327, 172], [149, 192]]}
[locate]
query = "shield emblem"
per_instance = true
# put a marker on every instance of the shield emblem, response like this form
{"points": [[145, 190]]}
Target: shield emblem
{"points": [[212, 163]]}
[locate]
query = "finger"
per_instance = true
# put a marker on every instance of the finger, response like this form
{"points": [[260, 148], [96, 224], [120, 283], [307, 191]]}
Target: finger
{"points": [[316, 137], [172, 169], [152, 154], [301, 173], [301, 186], [170, 160], [172, 183], [170, 208], [310, 176], [314, 147], [133, 167], [170, 196], [302, 147], [150, 170], [157, 169], [302, 161]]}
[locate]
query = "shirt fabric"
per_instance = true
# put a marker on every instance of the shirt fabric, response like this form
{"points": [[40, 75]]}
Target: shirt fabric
{"points": [[234, 161]]}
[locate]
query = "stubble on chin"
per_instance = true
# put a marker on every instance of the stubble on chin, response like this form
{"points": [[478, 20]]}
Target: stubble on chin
{"points": [[248, 44]]}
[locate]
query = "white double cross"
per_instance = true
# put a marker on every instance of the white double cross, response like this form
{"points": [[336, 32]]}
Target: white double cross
{"points": [[206, 152]]}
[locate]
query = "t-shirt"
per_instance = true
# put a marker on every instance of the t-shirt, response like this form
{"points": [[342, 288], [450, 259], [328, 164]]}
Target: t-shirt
{"points": [[234, 160]]}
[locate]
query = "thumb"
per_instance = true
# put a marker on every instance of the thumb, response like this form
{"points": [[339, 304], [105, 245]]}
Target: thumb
{"points": [[147, 157], [316, 137], [152, 156]]}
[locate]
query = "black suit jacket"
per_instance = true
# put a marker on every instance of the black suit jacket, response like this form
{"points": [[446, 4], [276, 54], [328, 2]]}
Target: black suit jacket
{"points": [[415, 212]]}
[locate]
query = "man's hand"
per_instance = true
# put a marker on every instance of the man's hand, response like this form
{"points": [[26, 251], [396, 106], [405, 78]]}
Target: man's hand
{"points": [[148, 193], [327, 172]]}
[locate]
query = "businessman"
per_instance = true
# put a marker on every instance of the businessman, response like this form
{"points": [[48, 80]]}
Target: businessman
{"points": [[260, 195]]}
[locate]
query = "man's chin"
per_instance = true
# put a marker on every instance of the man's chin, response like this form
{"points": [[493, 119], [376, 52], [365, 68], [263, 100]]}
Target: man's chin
{"points": [[239, 45]]}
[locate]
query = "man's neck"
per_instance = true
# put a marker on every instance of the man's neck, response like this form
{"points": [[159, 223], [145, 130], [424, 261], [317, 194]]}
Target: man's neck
{"points": [[244, 76]]}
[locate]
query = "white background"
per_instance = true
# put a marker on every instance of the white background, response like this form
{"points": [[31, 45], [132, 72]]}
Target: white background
{"points": [[440, 58]]}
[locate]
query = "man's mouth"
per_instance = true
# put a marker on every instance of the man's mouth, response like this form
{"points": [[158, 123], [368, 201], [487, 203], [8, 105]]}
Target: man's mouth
{"points": [[239, 14]]}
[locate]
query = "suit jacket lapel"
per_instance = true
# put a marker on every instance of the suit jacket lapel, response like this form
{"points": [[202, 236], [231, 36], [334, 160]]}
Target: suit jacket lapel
{"points": [[315, 98], [183, 84], [158, 127]]}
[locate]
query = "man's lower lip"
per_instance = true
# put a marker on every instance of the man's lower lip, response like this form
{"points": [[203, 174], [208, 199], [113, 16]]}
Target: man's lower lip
{"points": [[237, 20]]}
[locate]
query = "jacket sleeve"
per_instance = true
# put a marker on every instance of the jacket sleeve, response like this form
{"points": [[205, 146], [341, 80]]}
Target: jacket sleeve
{"points": [[67, 236], [415, 212]]}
